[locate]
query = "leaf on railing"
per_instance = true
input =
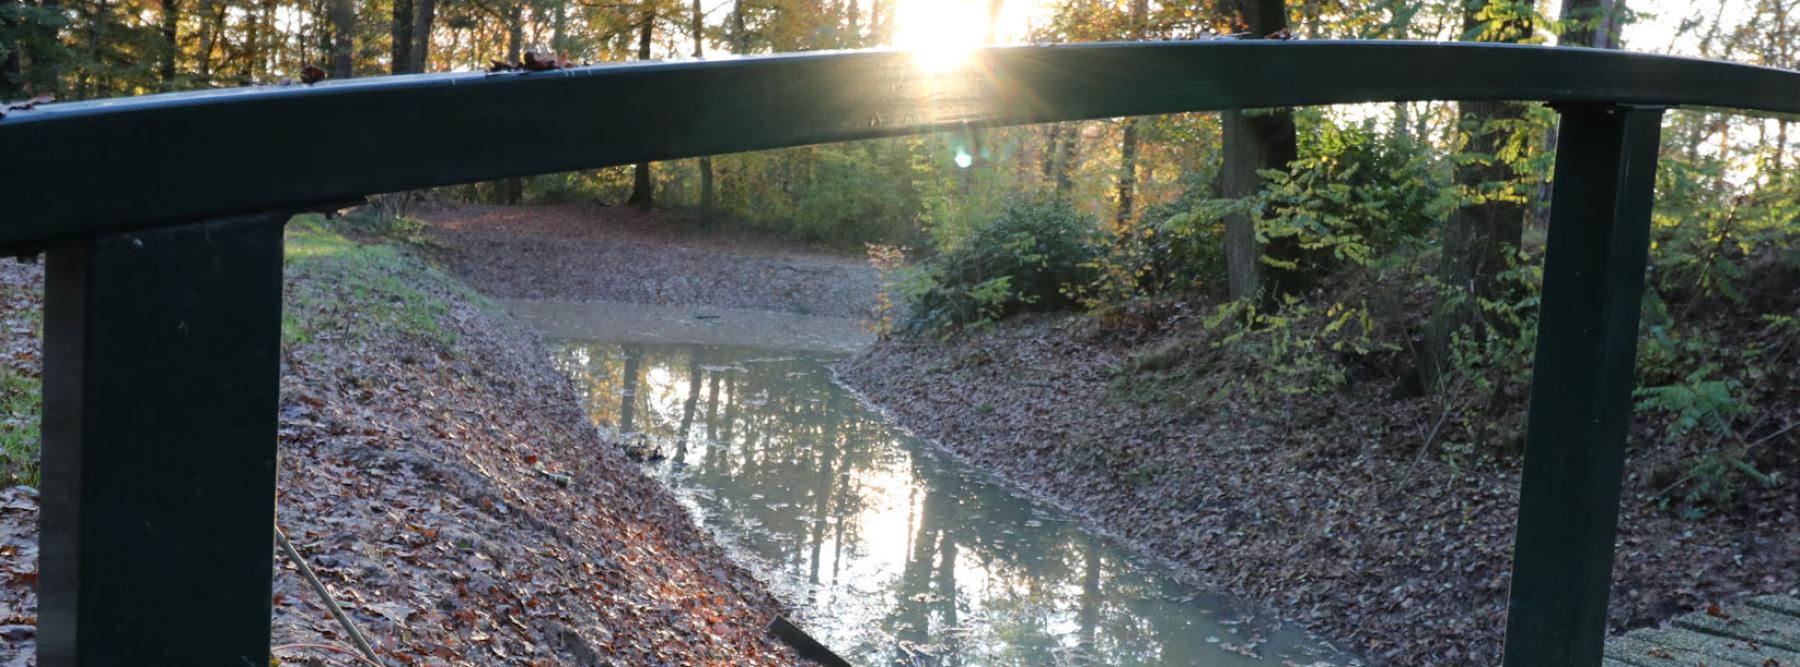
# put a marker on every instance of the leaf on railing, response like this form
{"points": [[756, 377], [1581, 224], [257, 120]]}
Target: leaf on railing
{"points": [[26, 105], [311, 75], [534, 62]]}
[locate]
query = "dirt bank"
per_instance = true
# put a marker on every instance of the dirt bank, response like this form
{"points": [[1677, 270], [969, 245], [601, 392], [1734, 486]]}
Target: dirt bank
{"points": [[1313, 506], [620, 254], [438, 476]]}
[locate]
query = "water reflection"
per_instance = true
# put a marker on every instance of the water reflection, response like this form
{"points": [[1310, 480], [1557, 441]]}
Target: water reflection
{"points": [[894, 555]]}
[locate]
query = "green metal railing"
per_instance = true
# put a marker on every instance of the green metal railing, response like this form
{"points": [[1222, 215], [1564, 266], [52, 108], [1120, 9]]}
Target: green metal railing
{"points": [[162, 218]]}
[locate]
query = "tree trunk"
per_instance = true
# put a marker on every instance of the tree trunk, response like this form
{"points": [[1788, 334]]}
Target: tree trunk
{"points": [[1479, 237], [171, 19], [1254, 141], [273, 38], [740, 37], [424, 13], [559, 29], [400, 31], [343, 34], [212, 17], [852, 26], [1066, 155], [512, 190], [706, 167], [1052, 135], [1128, 149], [1128, 135], [252, 53], [12, 66], [12, 70], [1591, 23], [642, 186]]}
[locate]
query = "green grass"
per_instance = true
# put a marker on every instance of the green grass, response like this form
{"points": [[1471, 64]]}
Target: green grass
{"points": [[352, 276], [21, 403], [341, 284]]}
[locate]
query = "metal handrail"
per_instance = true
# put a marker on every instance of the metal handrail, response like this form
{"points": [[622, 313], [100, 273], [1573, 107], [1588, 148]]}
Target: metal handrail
{"points": [[172, 158]]}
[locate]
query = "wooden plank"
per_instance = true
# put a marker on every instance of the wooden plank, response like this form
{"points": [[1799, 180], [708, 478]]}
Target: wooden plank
{"points": [[1748, 624], [1777, 604], [1759, 632], [1715, 645], [247, 150], [1645, 653]]}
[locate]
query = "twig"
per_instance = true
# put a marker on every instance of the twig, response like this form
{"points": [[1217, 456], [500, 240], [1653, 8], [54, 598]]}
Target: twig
{"points": [[328, 647], [1412, 470], [362, 643]]}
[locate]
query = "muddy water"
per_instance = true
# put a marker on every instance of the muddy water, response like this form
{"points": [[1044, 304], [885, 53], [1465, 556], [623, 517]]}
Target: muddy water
{"points": [[891, 553]]}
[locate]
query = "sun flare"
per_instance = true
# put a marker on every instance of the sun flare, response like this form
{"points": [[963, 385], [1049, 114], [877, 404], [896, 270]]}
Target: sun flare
{"points": [[942, 34]]}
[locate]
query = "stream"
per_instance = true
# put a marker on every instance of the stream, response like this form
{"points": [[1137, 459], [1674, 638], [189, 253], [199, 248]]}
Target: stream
{"points": [[889, 551]]}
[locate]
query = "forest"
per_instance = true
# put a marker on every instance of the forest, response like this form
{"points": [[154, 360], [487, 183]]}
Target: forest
{"points": [[1356, 282], [1314, 248]]}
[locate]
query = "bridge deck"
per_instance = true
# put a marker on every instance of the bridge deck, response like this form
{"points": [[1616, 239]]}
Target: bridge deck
{"points": [[1762, 632]]}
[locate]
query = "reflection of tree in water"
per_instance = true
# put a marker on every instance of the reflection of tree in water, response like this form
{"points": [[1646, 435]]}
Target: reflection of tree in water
{"points": [[793, 466]]}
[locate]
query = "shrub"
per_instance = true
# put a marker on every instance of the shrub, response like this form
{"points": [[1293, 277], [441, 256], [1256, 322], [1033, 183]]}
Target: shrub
{"points": [[1026, 259]]}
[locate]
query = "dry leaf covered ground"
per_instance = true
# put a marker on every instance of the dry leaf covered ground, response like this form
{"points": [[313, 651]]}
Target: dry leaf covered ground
{"points": [[1314, 505], [622, 254], [435, 472]]}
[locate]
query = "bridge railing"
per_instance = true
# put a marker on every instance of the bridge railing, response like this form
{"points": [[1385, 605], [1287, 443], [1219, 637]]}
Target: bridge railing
{"points": [[161, 217]]}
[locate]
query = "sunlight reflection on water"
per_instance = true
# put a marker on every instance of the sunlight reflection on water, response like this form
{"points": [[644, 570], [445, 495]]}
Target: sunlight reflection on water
{"points": [[892, 553]]}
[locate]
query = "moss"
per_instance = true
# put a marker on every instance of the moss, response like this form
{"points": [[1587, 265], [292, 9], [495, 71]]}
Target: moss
{"points": [[359, 287]]}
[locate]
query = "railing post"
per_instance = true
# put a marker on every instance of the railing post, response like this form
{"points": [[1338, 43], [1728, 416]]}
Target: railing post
{"points": [[161, 365], [1581, 384]]}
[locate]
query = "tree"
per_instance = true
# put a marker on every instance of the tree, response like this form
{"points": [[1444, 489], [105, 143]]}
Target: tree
{"points": [[424, 15], [1591, 23], [1128, 135], [1255, 140], [400, 57], [643, 188], [1485, 232], [171, 20], [706, 167], [343, 31]]}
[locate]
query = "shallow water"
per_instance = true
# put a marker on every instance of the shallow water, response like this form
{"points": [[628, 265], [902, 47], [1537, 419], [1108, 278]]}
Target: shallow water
{"points": [[891, 553]]}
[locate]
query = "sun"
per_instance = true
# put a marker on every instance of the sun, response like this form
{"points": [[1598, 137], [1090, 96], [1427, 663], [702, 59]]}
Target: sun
{"points": [[942, 34]]}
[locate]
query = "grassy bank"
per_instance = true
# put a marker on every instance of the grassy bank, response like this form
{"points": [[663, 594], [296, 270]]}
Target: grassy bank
{"points": [[435, 473]]}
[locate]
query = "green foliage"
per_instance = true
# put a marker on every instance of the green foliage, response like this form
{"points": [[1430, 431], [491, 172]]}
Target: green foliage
{"points": [[1697, 403], [1295, 348], [1245, 351], [1704, 238], [1028, 258], [1705, 408], [1495, 354], [1353, 196]]}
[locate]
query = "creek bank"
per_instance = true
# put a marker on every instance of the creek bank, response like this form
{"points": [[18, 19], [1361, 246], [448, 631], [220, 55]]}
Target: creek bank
{"points": [[625, 255], [437, 474], [1315, 506]]}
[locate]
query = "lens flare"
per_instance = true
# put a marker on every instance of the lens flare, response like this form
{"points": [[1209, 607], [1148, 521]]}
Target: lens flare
{"points": [[941, 34]]}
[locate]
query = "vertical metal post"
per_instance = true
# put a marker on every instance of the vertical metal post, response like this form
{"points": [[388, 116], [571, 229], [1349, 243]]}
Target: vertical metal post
{"points": [[1581, 384], [161, 364]]}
